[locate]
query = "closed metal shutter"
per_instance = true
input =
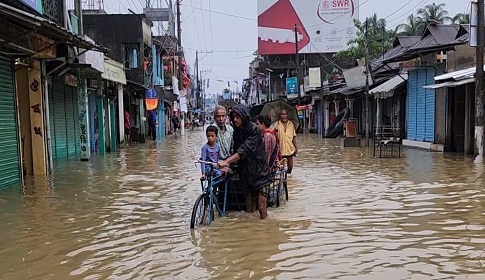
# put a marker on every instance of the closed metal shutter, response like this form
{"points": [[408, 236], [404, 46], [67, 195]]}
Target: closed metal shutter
{"points": [[59, 120], [430, 99], [70, 125], [9, 138], [412, 99]]}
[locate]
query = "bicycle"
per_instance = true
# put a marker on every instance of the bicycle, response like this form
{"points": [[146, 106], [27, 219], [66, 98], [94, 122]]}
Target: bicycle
{"points": [[204, 204]]}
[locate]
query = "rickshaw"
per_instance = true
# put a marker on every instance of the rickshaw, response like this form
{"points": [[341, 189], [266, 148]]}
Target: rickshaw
{"points": [[224, 193]]}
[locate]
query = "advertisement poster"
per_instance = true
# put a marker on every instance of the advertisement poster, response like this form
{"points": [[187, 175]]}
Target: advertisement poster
{"points": [[323, 26], [291, 86]]}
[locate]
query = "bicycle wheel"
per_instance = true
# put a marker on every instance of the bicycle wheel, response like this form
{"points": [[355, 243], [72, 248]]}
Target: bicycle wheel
{"points": [[281, 193], [200, 213]]}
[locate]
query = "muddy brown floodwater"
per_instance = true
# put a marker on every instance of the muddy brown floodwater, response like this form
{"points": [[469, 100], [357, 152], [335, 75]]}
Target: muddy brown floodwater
{"points": [[350, 216]]}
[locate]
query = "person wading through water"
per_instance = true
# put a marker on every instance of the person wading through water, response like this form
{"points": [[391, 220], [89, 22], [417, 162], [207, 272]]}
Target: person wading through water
{"points": [[253, 168], [287, 136]]}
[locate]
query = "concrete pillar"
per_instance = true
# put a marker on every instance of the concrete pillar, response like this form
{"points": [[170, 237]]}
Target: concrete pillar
{"points": [[121, 113], [112, 122], [398, 112], [82, 94], [378, 114], [467, 120], [37, 120], [350, 105], [326, 116], [141, 109], [101, 125], [161, 120], [337, 106]]}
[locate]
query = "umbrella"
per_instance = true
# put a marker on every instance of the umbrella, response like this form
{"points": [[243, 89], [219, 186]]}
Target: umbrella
{"points": [[256, 110], [273, 108]]}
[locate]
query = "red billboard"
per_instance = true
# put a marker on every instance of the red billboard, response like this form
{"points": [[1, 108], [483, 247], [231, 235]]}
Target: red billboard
{"points": [[323, 26]]}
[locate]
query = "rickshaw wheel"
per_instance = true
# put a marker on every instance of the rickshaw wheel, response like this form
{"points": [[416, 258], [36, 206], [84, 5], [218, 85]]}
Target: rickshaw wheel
{"points": [[200, 212]]}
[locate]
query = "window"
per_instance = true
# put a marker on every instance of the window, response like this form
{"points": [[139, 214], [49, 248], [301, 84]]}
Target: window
{"points": [[130, 51]]}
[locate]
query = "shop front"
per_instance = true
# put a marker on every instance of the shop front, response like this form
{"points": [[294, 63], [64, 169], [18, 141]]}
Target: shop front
{"points": [[10, 167]]}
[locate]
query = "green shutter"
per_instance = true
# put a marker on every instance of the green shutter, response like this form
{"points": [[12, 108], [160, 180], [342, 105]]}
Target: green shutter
{"points": [[59, 120], [70, 125], [9, 144]]}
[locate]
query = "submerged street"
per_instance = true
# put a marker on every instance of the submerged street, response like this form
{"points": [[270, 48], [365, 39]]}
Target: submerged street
{"points": [[350, 216]]}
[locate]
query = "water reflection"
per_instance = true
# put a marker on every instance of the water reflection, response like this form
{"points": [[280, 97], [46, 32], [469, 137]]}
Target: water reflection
{"points": [[350, 216]]}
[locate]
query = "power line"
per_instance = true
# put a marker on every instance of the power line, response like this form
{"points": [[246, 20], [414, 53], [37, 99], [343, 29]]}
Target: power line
{"points": [[225, 14]]}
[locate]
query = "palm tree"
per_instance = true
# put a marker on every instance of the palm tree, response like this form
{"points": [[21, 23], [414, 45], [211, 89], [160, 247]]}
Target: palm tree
{"points": [[414, 26], [461, 18], [434, 12]]}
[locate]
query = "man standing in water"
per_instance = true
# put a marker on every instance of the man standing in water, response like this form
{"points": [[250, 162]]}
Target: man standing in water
{"points": [[253, 169], [287, 136], [224, 137]]}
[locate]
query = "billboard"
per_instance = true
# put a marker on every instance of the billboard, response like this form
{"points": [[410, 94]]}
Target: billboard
{"points": [[292, 86], [323, 26]]}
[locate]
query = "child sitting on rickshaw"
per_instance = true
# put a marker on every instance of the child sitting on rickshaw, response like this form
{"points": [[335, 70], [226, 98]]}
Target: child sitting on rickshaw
{"points": [[210, 151]]}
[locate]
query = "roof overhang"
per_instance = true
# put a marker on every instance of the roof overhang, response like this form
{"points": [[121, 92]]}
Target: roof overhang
{"points": [[388, 88], [45, 27], [451, 84]]}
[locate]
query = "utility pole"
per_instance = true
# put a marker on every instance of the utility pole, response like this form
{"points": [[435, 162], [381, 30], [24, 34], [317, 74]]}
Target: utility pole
{"points": [[367, 115], [180, 56], [479, 91], [297, 61], [197, 78]]}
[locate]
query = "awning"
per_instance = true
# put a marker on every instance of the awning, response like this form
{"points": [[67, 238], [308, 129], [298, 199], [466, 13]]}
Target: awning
{"points": [[114, 71], [345, 91], [45, 27], [387, 89], [458, 75], [451, 84]]}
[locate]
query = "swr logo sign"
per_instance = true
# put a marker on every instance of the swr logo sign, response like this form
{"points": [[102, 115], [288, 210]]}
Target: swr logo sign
{"points": [[328, 10]]}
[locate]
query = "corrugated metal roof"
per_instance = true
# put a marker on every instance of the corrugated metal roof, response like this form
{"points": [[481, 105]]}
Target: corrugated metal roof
{"points": [[458, 75], [51, 29], [390, 85], [407, 41]]}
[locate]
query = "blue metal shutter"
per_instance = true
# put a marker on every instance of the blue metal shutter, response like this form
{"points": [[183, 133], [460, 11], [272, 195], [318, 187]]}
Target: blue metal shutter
{"points": [[412, 98], [430, 106], [421, 105], [59, 119], [9, 137]]}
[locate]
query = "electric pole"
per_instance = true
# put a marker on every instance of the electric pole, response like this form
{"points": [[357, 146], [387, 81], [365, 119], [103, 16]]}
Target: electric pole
{"points": [[297, 61], [197, 79], [479, 93], [179, 72], [367, 68]]}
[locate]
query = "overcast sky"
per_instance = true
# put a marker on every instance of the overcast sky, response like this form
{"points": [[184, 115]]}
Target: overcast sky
{"points": [[230, 30]]}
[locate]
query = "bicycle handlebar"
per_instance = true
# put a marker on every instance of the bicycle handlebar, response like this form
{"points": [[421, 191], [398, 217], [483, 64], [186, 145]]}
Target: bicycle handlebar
{"points": [[207, 162]]}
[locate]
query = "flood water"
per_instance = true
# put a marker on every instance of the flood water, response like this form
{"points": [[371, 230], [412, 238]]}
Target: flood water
{"points": [[350, 216]]}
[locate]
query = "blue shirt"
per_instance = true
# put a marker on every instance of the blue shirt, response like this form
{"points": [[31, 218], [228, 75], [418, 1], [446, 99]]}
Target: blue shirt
{"points": [[210, 154]]}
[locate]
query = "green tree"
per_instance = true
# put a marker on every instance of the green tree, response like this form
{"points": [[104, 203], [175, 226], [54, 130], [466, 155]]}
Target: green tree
{"points": [[434, 12], [378, 37], [461, 18], [413, 27]]}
